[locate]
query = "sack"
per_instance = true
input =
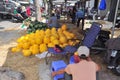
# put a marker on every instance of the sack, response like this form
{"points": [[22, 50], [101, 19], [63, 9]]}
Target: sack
{"points": [[102, 5]]}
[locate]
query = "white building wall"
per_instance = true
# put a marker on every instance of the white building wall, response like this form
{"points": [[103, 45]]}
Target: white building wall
{"points": [[90, 5]]}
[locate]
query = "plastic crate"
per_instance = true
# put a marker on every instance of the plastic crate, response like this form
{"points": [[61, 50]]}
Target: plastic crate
{"points": [[56, 66]]}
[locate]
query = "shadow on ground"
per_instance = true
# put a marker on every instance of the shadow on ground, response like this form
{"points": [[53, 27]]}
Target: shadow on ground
{"points": [[1, 27]]}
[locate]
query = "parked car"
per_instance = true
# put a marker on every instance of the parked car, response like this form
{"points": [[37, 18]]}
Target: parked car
{"points": [[7, 8]]}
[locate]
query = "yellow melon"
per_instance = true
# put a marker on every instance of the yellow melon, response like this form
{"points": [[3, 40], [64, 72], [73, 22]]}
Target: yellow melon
{"points": [[42, 32], [63, 39], [20, 45], [32, 42], [59, 30], [46, 40], [15, 49], [53, 29], [35, 51], [26, 45], [26, 53], [38, 41], [52, 38], [43, 47], [64, 27], [65, 44], [56, 42], [51, 45], [48, 31]]}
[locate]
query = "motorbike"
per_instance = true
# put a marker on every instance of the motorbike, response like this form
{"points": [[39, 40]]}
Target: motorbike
{"points": [[102, 37], [19, 17], [112, 57], [115, 62], [117, 25]]}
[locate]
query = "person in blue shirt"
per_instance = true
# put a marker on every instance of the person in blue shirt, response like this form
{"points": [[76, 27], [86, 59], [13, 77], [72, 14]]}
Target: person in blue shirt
{"points": [[53, 21], [80, 16]]}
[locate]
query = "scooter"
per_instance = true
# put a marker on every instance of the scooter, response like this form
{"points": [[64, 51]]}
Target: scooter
{"points": [[114, 64], [117, 25], [19, 17], [112, 57]]}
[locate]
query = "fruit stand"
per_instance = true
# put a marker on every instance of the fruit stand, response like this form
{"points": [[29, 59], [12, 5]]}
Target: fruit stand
{"points": [[41, 38]]}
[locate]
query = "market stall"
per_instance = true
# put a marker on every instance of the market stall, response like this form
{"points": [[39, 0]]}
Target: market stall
{"points": [[40, 38]]}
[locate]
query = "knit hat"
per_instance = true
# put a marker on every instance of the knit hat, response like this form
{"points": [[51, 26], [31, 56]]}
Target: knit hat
{"points": [[83, 50]]}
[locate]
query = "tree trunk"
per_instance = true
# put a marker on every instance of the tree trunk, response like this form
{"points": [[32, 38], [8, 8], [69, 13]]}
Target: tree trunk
{"points": [[65, 3], [38, 11], [46, 6], [50, 7]]}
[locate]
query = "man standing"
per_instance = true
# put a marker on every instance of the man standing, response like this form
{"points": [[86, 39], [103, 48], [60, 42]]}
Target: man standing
{"points": [[74, 13], [80, 16], [85, 69]]}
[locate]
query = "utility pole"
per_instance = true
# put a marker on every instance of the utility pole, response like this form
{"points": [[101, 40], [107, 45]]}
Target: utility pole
{"points": [[50, 6], [46, 6], [38, 10], [65, 3], [115, 17]]}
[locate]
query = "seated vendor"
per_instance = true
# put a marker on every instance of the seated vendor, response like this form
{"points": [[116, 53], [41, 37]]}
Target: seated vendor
{"points": [[53, 22], [85, 69]]}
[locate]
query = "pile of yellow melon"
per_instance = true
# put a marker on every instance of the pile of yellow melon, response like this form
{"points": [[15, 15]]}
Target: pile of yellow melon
{"points": [[39, 41]]}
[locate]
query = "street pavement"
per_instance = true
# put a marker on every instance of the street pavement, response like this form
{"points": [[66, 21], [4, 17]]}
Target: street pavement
{"points": [[8, 25], [8, 34]]}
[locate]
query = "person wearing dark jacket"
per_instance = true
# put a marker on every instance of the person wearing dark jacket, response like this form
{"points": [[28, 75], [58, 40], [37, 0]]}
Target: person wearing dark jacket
{"points": [[73, 13]]}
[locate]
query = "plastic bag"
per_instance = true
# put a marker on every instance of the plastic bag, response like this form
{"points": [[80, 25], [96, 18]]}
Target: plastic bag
{"points": [[102, 5]]}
